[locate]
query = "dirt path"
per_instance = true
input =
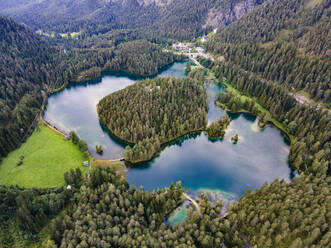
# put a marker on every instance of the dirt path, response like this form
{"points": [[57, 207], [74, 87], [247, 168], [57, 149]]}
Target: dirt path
{"points": [[51, 127], [193, 201]]}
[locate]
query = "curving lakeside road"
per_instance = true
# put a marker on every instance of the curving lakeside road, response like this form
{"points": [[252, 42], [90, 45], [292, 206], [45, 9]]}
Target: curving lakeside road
{"points": [[193, 201]]}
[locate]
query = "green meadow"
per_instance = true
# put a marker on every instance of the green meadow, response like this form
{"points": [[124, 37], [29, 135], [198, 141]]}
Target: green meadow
{"points": [[46, 156]]}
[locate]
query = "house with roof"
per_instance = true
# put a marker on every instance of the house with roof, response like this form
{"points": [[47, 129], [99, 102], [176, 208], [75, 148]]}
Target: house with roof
{"points": [[204, 38]]}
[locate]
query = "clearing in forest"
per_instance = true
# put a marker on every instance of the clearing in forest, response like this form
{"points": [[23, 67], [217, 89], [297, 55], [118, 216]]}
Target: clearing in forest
{"points": [[45, 156]]}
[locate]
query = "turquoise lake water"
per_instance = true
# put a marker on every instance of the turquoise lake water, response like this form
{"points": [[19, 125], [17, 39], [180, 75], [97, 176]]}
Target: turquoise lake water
{"points": [[179, 215], [261, 155]]}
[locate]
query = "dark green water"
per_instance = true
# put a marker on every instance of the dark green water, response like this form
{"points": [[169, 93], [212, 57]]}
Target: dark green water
{"points": [[261, 155]]}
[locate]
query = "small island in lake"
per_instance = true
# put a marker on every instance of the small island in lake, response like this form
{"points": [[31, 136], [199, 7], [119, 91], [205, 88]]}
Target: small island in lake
{"points": [[99, 149], [154, 112], [217, 128], [235, 139]]}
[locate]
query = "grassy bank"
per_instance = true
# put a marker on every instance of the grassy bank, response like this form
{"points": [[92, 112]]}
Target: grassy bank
{"points": [[46, 157], [116, 165]]}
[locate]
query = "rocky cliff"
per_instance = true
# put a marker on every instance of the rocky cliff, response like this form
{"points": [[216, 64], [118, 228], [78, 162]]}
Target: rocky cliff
{"points": [[226, 13]]}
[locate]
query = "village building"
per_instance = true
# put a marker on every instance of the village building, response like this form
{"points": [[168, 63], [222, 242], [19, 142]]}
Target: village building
{"points": [[204, 38], [200, 50], [182, 46]]}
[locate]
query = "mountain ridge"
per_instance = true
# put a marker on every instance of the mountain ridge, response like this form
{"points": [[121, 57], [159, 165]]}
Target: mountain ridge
{"points": [[170, 17]]}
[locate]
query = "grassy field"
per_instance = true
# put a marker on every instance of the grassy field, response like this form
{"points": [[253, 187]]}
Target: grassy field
{"points": [[63, 35], [46, 157]]}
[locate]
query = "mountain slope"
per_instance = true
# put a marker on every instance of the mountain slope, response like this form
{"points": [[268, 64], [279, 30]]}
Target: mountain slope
{"points": [[21, 64], [305, 22], [180, 18], [283, 41]]}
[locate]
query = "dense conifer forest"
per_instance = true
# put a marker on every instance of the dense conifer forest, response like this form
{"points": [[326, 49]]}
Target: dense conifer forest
{"points": [[287, 42], [154, 112], [24, 61], [286, 215], [235, 104], [24, 212]]}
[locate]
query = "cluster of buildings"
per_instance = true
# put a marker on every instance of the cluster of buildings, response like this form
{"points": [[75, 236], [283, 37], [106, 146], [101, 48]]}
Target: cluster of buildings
{"points": [[182, 46]]}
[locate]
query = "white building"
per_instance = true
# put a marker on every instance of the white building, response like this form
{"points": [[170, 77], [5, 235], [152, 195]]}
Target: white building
{"points": [[181, 46], [204, 38], [200, 50]]}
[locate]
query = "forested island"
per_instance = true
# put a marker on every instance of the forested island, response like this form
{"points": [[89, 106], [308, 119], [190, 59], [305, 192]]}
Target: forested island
{"points": [[154, 112], [217, 128]]}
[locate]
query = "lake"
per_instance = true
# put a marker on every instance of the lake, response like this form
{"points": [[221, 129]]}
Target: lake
{"points": [[74, 109], [200, 163]]}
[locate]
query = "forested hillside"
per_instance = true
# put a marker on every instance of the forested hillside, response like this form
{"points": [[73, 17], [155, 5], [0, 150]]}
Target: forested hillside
{"points": [[181, 19], [138, 57], [24, 212], [154, 112], [31, 67], [26, 67], [285, 215], [287, 42]]}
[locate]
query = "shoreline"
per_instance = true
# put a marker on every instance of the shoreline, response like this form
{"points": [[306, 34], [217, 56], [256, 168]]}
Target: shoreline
{"points": [[105, 72], [227, 86], [163, 145], [243, 111], [48, 92], [126, 73], [53, 128]]}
